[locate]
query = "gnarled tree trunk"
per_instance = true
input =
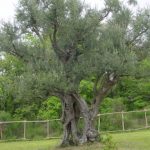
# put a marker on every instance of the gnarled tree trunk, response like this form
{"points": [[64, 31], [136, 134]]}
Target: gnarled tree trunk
{"points": [[89, 132], [75, 107], [70, 116]]}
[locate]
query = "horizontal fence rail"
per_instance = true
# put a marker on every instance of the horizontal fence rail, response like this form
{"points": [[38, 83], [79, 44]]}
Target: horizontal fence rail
{"points": [[45, 129]]}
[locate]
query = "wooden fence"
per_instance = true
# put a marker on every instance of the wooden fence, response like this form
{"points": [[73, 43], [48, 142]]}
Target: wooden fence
{"points": [[145, 124], [102, 120]]}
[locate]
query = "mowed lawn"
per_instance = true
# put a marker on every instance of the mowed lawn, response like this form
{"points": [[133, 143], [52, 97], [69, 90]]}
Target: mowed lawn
{"points": [[29, 145], [125, 141], [133, 140]]}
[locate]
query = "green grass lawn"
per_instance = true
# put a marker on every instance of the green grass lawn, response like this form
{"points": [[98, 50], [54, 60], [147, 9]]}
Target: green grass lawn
{"points": [[29, 145], [43, 145], [133, 140], [125, 141]]}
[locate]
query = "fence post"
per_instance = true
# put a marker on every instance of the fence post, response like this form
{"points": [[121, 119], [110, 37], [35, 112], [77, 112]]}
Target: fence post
{"points": [[146, 122], [1, 130], [99, 122], [47, 128], [122, 116], [24, 129]]}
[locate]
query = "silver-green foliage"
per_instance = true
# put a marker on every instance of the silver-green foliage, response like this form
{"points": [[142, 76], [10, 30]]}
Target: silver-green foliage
{"points": [[63, 42]]}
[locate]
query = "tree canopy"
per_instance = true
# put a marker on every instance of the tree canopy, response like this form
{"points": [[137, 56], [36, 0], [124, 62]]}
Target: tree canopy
{"points": [[63, 42]]}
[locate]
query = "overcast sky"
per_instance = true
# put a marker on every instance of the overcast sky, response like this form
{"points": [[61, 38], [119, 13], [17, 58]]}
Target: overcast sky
{"points": [[7, 7]]}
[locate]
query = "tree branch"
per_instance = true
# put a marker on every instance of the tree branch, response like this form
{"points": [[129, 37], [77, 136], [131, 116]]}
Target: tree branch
{"points": [[137, 36], [106, 13], [35, 28], [108, 82]]}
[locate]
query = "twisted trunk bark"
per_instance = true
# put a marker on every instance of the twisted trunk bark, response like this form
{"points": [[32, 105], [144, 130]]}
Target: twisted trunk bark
{"points": [[89, 132], [70, 116], [73, 108], [109, 81]]}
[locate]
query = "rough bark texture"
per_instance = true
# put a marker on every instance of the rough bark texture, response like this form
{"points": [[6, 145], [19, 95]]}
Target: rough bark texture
{"points": [[106, 85], [75, 107], [70, 116], [89, 133]]}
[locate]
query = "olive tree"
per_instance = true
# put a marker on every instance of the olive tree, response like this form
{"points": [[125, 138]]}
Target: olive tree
{"points": [[62, 42]]}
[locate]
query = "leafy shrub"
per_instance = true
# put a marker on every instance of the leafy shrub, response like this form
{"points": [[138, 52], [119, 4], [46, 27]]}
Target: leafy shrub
{"points": [[4, 116], [26, 112], [86, 90], [9, 130], [51, 109], [108, 143], [112, 105]]}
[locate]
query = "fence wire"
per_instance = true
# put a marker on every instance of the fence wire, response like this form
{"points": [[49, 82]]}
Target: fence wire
{"points": [[45, 129]]}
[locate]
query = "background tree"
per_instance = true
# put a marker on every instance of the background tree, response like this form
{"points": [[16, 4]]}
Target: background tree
{"points": [[69, 42]]}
